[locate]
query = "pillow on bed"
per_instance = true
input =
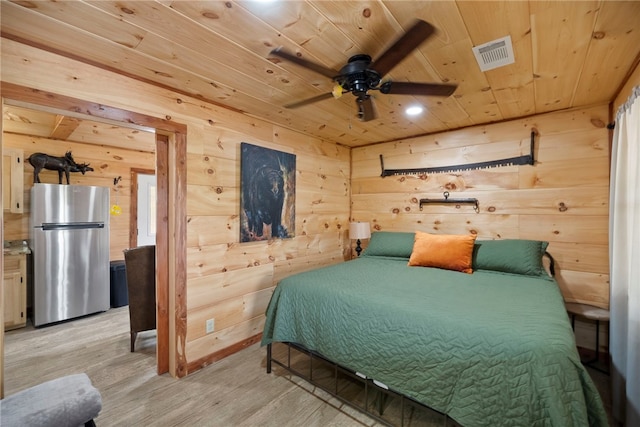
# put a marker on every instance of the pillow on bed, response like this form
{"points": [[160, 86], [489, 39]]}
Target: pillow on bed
{"points": [[390, 243], [448, 251], [510, 256]]}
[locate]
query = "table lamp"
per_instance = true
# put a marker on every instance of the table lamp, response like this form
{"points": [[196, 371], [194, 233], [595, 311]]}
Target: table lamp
{"points": [[359, 230]]}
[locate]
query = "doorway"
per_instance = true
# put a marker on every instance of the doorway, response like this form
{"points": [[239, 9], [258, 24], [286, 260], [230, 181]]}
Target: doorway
{"points": [[171, 216], [143, 208]]}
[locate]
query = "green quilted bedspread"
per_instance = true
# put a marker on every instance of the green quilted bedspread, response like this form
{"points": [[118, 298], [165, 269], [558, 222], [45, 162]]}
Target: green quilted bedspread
{"points": [[488, 349]]}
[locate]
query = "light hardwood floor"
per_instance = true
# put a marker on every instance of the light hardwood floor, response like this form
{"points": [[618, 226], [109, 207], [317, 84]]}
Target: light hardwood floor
{"points": [[235, 391]]}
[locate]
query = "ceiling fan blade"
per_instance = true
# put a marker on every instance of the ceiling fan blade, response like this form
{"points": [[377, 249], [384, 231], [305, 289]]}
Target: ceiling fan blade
{"points": [[427, 89], [304, 63], [366, 110], [309, 100], [418, 33]]}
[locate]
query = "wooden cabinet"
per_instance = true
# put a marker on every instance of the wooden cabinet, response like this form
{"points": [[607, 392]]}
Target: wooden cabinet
{"points": [[15, 291], [13, 180]]}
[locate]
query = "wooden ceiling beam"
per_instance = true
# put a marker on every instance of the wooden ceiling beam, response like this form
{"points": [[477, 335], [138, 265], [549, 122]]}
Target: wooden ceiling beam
{"points": [[63, 127]]}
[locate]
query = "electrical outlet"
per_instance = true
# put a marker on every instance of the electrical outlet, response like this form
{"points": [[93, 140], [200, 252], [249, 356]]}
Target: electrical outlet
{"points": [[209, 326]]}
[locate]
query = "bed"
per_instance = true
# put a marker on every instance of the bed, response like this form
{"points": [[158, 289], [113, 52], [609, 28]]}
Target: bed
{"points": [[489, 348]]}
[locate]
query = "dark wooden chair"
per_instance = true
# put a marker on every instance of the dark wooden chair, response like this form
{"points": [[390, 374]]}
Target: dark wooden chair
{"points": [[140, 266]]}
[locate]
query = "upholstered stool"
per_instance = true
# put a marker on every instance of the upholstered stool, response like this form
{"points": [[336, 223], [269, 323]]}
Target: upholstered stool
{"points": [[69, 401], [592, 313]]}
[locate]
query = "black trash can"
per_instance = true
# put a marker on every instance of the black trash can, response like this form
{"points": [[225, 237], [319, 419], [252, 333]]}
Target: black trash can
{"points": [[118, 276]]}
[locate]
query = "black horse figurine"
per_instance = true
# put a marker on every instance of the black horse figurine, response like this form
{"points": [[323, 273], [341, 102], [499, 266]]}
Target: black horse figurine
{"points": [[64, 164]]}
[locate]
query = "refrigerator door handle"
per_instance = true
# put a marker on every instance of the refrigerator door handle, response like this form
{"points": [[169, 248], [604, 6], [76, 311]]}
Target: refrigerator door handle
{"points": [[71, 226]]}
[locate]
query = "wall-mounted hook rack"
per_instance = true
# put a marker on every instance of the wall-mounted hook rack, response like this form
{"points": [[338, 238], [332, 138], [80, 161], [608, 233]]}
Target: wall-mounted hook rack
{"points": [[469, 201]]}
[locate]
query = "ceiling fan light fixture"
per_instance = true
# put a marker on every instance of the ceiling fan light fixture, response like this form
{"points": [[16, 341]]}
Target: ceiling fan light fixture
{"points": [[337, 91], [414, 110], [361, 75]]}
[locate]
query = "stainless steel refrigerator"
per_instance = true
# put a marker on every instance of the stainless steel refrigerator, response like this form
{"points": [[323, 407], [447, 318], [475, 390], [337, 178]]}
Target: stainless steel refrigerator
{"points": [[70, 245]]}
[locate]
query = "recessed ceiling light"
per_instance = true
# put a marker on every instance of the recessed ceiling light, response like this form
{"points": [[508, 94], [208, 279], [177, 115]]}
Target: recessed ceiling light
{"points": [[414, 110]]}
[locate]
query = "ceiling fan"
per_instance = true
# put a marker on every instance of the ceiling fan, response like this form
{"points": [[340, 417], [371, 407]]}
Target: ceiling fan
{"points": [[361, 74]]}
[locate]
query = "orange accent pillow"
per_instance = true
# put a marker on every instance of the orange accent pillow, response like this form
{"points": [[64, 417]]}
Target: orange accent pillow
{"points": [[448, 251]]}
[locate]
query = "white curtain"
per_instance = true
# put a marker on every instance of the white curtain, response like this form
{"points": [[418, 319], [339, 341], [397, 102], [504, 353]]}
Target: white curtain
{"points": [[624, 255]]}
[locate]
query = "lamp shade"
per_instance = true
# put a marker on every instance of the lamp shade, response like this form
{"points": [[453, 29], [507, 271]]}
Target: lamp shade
{"points": [[359, 230]]}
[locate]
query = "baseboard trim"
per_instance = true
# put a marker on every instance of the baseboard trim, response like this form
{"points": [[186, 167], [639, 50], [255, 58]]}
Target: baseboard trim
{"points": [[196, 365]]}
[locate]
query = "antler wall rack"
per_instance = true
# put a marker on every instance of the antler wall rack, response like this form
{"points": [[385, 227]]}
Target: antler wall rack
{"points": [[526, 159], [469, 201]]}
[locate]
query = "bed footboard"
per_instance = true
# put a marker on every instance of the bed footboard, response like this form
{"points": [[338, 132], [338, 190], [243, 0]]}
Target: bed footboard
{"points": [[356, 390]]}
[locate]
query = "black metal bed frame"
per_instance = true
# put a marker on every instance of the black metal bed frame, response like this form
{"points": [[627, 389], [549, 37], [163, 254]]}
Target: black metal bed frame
{"points": [[373, 407]]}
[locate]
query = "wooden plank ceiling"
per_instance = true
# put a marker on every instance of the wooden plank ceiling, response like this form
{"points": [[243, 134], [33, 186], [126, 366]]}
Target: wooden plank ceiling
{"points": [[49, 125], [567, 54]]}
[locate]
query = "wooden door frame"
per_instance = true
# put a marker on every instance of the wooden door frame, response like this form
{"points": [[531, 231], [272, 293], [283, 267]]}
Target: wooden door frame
{"points": [[171, 153], [1, 268], [133, 218]]}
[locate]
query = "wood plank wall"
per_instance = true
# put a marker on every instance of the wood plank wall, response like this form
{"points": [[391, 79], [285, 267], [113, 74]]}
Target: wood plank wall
{"points": [[227, 281], [232, 282], [562, 199], [2, 293], [108, 163]]}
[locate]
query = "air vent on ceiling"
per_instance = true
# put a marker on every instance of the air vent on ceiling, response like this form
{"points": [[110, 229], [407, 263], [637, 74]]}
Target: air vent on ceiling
{"points": [[494, 54]]}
